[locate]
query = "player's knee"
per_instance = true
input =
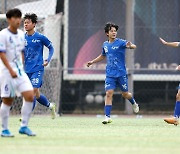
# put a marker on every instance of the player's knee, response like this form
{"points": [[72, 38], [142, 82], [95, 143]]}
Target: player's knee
{"points": [[109, 94], [29, 96], [127, 95]]}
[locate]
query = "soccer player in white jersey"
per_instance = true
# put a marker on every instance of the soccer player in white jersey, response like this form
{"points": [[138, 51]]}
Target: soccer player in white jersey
{"points": [[12, 76], [33, 59], [174, 120]]}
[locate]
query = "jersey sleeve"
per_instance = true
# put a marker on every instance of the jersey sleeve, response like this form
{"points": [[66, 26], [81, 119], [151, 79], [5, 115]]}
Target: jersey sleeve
{"points": [[2, 43], [103, 51], [123, 43], [46, 41]]}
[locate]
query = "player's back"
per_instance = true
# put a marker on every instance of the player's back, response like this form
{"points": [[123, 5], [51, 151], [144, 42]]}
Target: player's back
{"points": [[13, 45]]}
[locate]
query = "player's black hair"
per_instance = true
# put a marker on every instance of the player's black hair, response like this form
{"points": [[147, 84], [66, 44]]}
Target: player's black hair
{"points": [[31, 16], [109, 25], [13, 13]]}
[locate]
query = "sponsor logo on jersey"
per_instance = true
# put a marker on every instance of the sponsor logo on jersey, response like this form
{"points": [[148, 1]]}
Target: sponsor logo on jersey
{"points": [[114, 48], [35, 41]]}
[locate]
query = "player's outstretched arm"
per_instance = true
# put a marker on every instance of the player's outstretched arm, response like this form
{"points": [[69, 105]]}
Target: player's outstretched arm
{"points": [[98, 59], [130, 45], [171, 44], [6, 63]]}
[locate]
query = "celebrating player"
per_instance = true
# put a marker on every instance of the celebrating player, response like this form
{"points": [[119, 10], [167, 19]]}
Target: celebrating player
{"points": [[174, 120], [33, 59], [116, 75], [12, 76]]}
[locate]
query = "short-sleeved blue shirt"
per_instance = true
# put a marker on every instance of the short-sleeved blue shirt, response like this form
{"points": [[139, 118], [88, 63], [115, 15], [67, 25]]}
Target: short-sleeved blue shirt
{"points": [[33, 54], [115, 55]]}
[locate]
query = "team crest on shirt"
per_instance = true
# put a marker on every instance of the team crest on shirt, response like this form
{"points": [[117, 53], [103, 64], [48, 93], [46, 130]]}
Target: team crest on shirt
{"points": [[10, 39], [105, 49], [26, 43]]}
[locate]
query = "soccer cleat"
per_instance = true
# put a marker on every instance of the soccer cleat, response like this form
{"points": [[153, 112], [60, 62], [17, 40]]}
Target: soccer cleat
{"points": [[107, 120], [6, 133], [53, 111], [172, 120], [25, 130], [135, 107]]}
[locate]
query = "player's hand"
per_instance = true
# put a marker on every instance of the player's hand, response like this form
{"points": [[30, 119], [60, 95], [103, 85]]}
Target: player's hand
{"points": [[128, 45], [163, 41], [13, 74], [178, 67], [89, 63], [45, 63]]}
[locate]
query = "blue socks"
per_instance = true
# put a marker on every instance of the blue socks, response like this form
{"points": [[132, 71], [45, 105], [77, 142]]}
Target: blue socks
{"points": [[177, 109], [107, 110], [43, 100], [132, 100]]}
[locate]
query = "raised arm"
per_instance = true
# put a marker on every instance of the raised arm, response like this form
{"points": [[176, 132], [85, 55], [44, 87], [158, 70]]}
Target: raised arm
{"points": [[97, 59], [171, 44], [130, 45]]}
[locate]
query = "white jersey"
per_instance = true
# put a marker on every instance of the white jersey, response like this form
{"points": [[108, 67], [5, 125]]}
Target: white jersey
{"points": [[13, 45]]}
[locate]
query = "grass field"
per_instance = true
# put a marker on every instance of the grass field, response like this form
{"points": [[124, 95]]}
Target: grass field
{"points": [[86, 135]]}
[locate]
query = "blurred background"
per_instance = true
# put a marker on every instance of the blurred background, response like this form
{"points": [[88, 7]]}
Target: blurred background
{"points": [[76, 29]]}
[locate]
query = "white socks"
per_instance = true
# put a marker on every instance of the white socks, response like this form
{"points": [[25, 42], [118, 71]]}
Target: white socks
{"points": [[4, 111], [26, 113]]}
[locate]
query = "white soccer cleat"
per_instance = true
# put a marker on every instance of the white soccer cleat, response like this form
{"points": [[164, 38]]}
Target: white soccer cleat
{"points": [[135, 107], [107, 120], [53, 110]]}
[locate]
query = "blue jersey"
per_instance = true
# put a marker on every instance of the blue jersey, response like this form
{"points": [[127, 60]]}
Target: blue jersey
{"points": [[33, 54], [115, 55]]}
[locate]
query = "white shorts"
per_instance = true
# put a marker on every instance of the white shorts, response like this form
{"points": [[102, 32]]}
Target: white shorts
{"points": [[11, 87]]}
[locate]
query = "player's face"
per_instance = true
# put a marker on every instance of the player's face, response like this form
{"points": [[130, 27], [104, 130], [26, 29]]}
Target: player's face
{"points": [[14, 22], [28, 25], [112, 33]]}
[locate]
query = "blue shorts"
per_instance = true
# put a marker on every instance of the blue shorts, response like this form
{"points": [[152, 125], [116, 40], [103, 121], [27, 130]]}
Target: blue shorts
{"points": [[113, 82], [36, 78]]}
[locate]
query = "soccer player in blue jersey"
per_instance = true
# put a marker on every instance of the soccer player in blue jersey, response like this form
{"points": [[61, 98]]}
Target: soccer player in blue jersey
{"points": [[33, 59], [116, 76], [12, 76], [174, 120]]}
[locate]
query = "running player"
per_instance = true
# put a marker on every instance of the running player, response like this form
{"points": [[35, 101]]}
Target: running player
{"points": [[116, 76], [33, 59]]}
